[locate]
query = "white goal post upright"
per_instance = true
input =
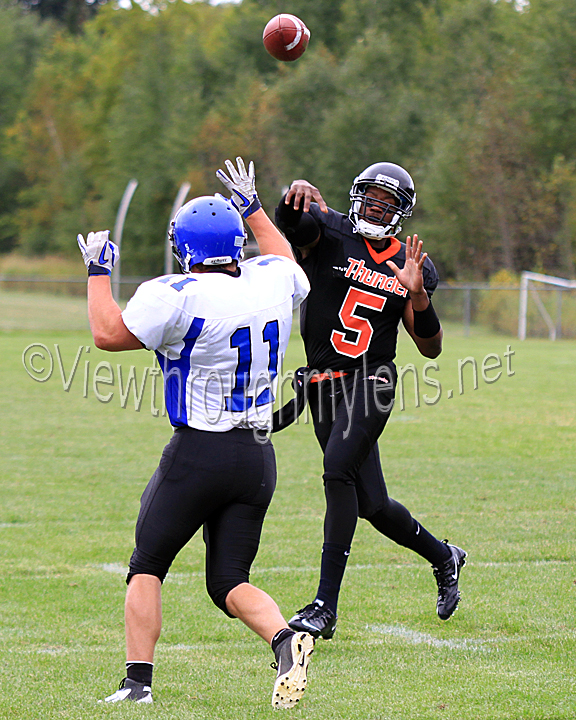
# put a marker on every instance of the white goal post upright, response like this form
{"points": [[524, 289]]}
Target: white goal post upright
{"points": [[117, 237], [530, 277], [178, 202]]}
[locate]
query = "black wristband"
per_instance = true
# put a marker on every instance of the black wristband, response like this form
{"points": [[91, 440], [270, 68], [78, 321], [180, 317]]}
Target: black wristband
{"points": [[98, 270], [287, 217], [300, 228], [426, 323]]}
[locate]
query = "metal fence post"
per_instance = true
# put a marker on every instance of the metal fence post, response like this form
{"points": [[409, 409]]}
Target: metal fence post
{"points": [[467, 310], [118, 227]]}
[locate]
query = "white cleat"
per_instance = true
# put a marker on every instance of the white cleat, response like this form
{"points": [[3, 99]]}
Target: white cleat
{"points": [[292, 658]]}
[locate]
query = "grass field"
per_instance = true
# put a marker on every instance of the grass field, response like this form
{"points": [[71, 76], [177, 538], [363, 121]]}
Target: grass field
{"points": [[490, 468]]}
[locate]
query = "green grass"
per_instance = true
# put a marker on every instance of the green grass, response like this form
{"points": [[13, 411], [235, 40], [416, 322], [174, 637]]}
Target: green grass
{"points": [[492, 469]]}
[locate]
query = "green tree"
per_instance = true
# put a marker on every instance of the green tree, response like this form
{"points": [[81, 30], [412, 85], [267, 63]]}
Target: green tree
{"points": [[475, 98], [71, 14], [21, 41]]}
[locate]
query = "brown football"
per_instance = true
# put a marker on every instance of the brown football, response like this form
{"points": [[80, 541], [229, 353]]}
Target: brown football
{"points": [[286, 37]]}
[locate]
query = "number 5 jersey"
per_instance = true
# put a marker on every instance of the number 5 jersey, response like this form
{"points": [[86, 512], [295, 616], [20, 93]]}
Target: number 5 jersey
{"points": [[350, 318], [220, 339]]}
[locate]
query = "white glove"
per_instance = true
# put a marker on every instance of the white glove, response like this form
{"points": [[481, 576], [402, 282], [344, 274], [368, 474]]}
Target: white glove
{"points": [[242, 186], [99, 252]]}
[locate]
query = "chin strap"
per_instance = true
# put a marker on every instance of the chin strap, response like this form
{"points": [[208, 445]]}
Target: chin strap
{"points": [[375, 232]]}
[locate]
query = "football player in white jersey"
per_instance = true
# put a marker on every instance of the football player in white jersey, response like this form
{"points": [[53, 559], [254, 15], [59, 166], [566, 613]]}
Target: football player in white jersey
{"points": [[220, 331]]}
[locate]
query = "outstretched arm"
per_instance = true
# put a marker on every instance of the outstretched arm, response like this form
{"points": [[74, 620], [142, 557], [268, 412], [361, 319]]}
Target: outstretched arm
{"points": [[270, 240], [108, 328], [293, 218], [419, 318], [105, 316], [241, 184]]}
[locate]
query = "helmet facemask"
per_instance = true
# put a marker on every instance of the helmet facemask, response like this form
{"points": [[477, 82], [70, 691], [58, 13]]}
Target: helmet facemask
{"points": [[183, 262], [394, 180], [373, 225]]}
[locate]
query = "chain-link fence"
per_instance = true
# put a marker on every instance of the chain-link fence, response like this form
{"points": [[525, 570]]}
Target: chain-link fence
{"points": [[59, 304], [497, 307]]}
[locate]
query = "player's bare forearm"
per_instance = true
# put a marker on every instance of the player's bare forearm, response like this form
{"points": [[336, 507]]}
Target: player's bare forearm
{"points": [[270, 240], [420, 300], [429, 347], [106, 323]]}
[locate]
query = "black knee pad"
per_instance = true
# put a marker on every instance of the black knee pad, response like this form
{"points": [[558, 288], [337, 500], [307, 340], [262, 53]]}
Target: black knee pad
{"points": [[342, 477], [218, 592], [130, 575], [142, 564]]}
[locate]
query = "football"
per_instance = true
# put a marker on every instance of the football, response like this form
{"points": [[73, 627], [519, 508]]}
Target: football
{"points": [[286, 37]]}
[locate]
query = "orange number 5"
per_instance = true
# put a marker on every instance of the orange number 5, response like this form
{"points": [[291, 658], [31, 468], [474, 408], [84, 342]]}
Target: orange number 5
{"points": [[360, 325]]}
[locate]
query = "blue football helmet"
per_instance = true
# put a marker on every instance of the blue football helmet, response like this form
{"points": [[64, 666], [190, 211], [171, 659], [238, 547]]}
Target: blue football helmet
{"points": [[207, 230], [395, 180]]}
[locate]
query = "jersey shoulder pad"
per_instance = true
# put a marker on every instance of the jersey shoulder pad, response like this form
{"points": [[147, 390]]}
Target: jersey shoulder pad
{"points": [[431, 277], [333, 224]]}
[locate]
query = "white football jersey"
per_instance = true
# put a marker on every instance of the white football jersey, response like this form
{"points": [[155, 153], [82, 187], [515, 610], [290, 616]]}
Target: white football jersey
{"points": [[220, 340]]}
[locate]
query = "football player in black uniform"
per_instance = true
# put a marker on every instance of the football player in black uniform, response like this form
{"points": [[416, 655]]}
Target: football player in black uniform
{"points": [[364, 281]]}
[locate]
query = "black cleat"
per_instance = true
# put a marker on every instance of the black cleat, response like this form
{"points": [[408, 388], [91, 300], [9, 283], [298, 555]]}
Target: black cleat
{"points": [[131, 690], [317, 620], [292, 658], [447, 576]]}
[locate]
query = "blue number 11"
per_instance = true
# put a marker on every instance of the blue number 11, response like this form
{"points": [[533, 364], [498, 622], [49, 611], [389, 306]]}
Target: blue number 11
{"points": [[241, 339]]}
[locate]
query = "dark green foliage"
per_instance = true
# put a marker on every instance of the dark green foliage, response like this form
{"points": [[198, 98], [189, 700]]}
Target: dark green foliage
{"points": [[21, 41], [71, 14], [475, 98]]}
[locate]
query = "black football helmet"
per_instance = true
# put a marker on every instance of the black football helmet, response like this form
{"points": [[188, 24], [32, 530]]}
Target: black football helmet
{"points": [[395, 180]]}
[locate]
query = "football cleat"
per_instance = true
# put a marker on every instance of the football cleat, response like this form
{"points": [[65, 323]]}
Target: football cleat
{"points": [[317, 620], [131, 690], [447, 575], [292, 658]]}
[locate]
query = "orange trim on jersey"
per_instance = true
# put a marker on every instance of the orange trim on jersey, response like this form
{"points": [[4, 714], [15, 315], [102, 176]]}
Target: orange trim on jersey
{"points": [[326, 376], [380, 257]]}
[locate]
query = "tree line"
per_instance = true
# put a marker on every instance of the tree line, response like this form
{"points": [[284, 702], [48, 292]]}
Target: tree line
{"points": [[476, 98]]}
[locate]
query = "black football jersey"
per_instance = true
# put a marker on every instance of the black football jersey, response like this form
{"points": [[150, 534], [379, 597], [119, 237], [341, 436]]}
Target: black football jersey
{"points": [[350, 318]]}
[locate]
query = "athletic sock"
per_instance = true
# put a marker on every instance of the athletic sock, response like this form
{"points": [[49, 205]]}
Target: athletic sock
{"points": [[280, 636], [140, 672], [429, 547], [396, 523], [334, 559]]}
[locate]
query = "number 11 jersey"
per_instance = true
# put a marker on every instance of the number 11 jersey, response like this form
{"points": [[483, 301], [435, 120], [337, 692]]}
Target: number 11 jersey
{"points": [[220, 339]]}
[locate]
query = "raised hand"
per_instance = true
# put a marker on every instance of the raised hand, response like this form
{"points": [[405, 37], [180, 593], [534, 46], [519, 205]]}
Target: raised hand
{"points": [[98, 252], [410, 276], [303, 191], [242, 186]]}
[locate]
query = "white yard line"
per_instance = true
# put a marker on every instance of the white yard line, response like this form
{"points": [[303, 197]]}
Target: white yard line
{"points": [[415, 637], [118, 568]]}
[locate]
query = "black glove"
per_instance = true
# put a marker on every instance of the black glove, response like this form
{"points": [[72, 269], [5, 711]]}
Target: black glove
{"points": [[287, 414]]}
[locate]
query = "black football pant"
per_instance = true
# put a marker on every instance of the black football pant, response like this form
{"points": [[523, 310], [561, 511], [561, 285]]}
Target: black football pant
{"points": [[349, 415], [223, 481]]}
